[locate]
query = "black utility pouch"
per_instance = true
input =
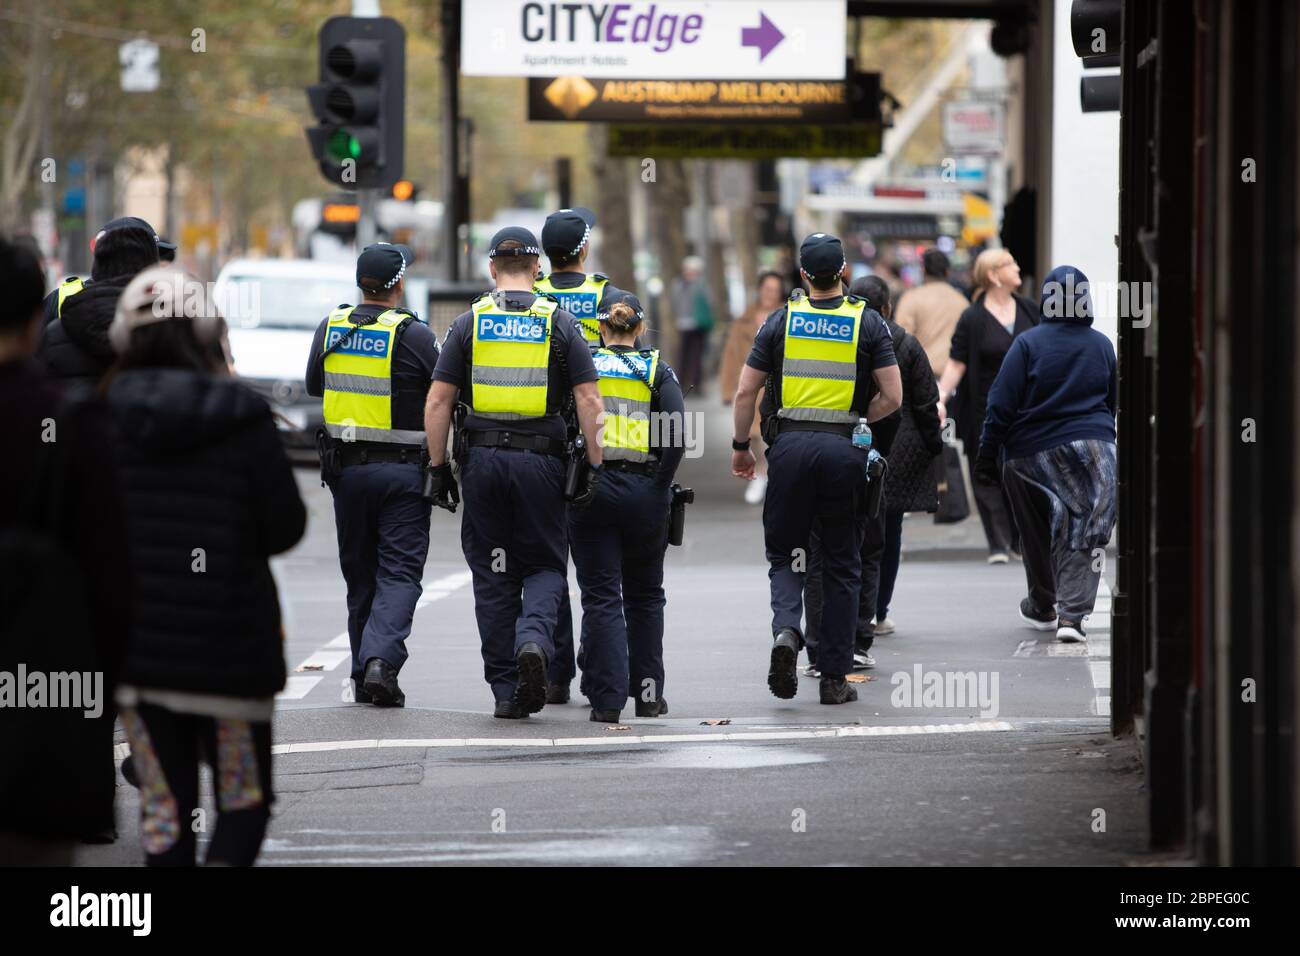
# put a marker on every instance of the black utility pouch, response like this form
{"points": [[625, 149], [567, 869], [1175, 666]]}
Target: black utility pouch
{"points": [[331, 461], [677, 514]]}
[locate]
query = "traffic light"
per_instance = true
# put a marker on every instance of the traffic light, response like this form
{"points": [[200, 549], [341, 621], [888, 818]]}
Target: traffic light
{"points": [[360, 102], [1095, 29]]}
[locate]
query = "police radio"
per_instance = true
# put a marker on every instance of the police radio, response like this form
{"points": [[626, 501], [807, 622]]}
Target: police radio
{"points": [[677, 513]]}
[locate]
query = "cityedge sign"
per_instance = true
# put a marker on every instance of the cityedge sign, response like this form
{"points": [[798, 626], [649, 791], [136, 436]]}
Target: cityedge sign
{"points": [[654, 39]]}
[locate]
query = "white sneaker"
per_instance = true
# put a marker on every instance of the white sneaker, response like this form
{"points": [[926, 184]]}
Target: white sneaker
{"points": [[884, 627], [863, 661], [810, 670], [998, 557], [757, 490], [1068, 633]]}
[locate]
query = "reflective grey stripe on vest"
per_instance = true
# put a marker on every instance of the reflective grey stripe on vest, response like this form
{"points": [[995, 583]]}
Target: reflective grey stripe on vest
{"points": [[821, 368], [396, 436], [507, 376], [357, 384], [833, 415], [622, 405]]}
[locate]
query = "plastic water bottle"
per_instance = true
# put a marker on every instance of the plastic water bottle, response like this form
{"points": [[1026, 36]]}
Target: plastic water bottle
{"points": [[862, 436]]}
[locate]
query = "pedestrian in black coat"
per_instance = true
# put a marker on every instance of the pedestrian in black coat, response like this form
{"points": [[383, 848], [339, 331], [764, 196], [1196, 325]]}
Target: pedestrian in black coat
{"points": [[210, 497], [910, 484], [75, 347], [64, 591]]}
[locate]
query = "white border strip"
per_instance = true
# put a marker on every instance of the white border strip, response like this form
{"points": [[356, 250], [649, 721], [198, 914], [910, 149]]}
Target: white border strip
{"points": [[324, 746]]}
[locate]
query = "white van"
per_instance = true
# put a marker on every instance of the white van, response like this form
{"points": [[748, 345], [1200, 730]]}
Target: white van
{"points": [[273, 307]]}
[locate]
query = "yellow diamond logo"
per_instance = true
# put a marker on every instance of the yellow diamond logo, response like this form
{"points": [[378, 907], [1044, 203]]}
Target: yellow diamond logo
{"points": [[570, 95]]}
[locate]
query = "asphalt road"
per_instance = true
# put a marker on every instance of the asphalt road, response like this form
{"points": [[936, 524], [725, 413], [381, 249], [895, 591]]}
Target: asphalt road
{"points": [[1021, 774]]}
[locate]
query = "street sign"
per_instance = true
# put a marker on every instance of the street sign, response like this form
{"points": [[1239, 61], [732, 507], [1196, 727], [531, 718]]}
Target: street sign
{"points": [[973, 126], [655, 39], [854, 140], [568, 98], [139, 61]]}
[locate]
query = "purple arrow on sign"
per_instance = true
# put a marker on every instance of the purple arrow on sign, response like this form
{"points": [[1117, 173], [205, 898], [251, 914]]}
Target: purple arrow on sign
{"points": [[765, 36]]}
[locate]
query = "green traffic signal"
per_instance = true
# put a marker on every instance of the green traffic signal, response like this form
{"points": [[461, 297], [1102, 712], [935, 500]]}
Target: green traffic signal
{"points": [[343, 145]]}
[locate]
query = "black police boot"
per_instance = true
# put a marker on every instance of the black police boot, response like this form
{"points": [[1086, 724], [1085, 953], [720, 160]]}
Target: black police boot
{"points": [[836, 690], [381, 684], [557, 693], [604, 716], [782, 677], [531, 690], [359, 694], [510, 710], [652, 708]]}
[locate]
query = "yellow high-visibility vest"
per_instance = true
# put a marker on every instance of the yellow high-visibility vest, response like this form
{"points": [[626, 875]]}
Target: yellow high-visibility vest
{"points": [[625, 379], [581, 301], [358, 393], [68, 287], [511, 359], [820, 369]]}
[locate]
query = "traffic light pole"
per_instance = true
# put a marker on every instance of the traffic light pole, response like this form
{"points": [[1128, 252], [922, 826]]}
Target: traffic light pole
{"points": [[367, 225], [451, 139]]}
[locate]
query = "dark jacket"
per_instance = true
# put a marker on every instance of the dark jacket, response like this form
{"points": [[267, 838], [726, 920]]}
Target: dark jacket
{"points": [[58, 780], [1058, 382], [981, 343], [210, 496], [911, 482], [75, 347]]}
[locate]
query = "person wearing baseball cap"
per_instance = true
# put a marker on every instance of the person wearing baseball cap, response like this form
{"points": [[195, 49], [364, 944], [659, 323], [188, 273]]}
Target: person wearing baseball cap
{"points": [[830, 363], [372, 364], [75, 346], [514, 361], [566, 239]]}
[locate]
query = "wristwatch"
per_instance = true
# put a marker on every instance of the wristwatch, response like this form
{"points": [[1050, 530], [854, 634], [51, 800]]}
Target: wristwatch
{"points": [[740, 445]]}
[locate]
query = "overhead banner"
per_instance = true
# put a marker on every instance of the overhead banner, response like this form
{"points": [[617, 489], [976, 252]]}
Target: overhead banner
{"points": [[655, 39], [856, 140], [576, 98]]}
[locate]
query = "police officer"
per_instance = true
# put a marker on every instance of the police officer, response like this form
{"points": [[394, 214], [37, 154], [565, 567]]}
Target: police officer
{"points": [[373, 363], [115, 264], [511, 359], [618, 542], [819, 356], [566, 237]]}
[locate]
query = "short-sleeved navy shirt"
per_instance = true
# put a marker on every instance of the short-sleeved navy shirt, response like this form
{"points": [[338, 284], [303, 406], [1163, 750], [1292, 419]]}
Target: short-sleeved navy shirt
{"points": [[875, 350], [457, 352]]}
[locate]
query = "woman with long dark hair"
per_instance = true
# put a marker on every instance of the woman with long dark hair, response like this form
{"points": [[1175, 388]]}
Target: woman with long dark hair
{"points": [[771, 295], [210, 496], [983, 335]]}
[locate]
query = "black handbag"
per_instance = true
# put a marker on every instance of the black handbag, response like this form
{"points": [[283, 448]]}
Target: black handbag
{"points": [[953, 504]]}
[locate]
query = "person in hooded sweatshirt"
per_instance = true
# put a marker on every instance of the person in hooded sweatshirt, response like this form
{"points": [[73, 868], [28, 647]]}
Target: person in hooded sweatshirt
{"points": [[1051, 420], [210, 496], [74, 348]]}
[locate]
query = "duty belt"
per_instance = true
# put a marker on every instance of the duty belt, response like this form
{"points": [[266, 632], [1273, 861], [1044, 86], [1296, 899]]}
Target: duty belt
{"points": [[501, 438], [352, 454], [647, 468], [784, 425]]}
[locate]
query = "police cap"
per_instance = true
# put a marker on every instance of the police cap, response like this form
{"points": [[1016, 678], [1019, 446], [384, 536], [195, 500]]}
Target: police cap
{"points": [[383, 263], [527, 243], [565, 232], [821, 256]]}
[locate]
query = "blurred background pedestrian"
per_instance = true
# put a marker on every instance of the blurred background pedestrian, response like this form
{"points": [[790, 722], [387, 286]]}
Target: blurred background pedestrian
{"points": [[770, 296], [980, 341], [931, 310], [694, 318]]}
